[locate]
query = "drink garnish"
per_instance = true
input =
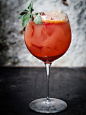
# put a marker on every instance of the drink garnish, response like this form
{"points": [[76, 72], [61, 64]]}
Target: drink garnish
{"points": [[38, 20], [26, 15]]}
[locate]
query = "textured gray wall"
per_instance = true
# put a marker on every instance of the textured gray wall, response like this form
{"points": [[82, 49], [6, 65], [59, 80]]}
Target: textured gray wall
{"points": [[12, 47]]}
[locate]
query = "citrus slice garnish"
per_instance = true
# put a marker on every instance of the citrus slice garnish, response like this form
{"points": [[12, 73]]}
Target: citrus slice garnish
{"points": [[52, 21]]}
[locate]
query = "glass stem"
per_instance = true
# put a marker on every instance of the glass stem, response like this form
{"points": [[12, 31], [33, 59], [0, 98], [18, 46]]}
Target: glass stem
{"points": [[48, 65]]}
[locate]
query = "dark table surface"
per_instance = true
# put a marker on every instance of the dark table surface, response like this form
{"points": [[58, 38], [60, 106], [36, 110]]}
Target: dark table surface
{"points": [[20, 85]]}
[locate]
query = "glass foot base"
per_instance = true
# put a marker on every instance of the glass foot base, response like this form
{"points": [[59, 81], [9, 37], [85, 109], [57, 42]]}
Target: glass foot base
{"points": [[51, 106]]}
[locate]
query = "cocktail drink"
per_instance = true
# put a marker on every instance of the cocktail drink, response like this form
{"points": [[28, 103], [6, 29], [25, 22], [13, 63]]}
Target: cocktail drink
{"points": [[47, 37], [49, 40]]}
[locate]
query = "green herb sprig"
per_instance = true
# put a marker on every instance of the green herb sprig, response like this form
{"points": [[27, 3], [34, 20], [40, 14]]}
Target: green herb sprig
{"points": [[26, 15]]}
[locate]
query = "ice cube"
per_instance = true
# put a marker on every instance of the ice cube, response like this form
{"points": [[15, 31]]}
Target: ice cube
{"points": [[48, 17], [48, 12], [61, 16], [43, 17], [57, 12], [55, 18], [53, 12]]}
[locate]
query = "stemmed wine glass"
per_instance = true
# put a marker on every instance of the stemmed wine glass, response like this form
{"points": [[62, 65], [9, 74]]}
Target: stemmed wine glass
{"points": [[48, 42]]}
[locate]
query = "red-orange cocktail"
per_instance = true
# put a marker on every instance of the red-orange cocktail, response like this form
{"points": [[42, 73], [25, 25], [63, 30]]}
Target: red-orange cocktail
{"points": [[47, 37], [49, 40]]}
